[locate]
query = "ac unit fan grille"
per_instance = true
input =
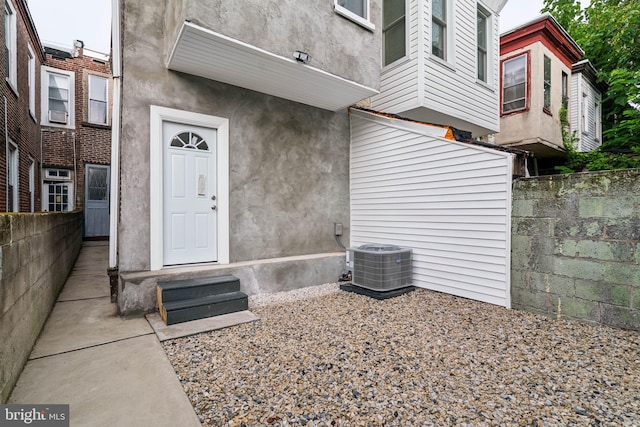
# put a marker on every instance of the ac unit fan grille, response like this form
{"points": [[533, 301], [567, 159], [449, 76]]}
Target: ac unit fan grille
{"points": [[382, 271]]}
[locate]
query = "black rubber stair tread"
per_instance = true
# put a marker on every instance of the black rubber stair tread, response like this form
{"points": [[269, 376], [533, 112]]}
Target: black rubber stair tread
{"points": [[206, 300]]}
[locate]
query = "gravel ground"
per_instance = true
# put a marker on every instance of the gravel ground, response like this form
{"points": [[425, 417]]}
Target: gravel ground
{"points": [[424, 358]]}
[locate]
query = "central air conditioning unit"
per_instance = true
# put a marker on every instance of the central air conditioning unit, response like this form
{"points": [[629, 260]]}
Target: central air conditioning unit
{"points": [[381, 267]]}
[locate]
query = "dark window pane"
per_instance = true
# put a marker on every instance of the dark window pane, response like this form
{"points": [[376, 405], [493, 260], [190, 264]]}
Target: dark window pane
{"points": [[439, 9], [437, 40], [395, 42], [355, 6]]}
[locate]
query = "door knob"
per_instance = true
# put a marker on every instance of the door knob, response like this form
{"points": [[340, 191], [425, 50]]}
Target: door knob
{"points": [[213, 197], [213, 208]]}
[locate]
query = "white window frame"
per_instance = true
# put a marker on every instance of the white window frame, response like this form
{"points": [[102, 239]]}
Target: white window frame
{"points": [[70, 195], [407, 5], [524, 55], [13, 163], [449, 34], [546, 84], [55, 174], [12, 46], [364, 21], [488, 19], [31, 80], [597, 127], [44, 97], [106, 100], [584, 113], [32, 184]]}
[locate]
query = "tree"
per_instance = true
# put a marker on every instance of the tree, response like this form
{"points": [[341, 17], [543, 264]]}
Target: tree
{"points": [[609, 33]]}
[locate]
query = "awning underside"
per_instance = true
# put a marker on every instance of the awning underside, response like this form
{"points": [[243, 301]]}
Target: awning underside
{"points": [[207, 54]]}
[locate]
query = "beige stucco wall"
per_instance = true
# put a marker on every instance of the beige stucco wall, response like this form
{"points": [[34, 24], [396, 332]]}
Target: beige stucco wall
{"points": [[534, 124]]}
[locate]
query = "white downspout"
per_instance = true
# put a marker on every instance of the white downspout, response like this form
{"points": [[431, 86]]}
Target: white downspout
{"points": [[115, 135]]}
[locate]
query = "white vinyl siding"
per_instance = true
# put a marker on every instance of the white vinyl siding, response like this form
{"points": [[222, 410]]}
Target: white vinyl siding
{"points": [[399, 81], [587, 128], [455, 91], [450, 202], [447, 89]]}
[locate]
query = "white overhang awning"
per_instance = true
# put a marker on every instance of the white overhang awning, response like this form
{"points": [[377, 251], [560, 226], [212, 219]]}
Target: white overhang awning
{"points": [[205, 53]]}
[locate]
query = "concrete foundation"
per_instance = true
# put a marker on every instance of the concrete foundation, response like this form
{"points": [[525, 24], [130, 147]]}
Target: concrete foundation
{"points": [[137, 293]]}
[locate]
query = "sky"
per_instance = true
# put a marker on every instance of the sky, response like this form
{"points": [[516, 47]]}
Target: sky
{"points": [[517, 12], [63, 21]]}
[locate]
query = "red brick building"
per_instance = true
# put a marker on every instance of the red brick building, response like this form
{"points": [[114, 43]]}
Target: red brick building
{"points": [[20, 155], [76, 128]]}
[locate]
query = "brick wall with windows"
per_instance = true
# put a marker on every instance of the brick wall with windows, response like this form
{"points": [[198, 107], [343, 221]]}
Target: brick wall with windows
{"points": [[85, 137], [20, 109]]}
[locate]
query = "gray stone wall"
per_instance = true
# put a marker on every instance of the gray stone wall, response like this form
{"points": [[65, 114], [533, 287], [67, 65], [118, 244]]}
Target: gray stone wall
{"points": [[576, 247], [37, 252]]}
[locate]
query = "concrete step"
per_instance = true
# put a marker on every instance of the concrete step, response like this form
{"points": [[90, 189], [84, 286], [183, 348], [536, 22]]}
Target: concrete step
{"points": [[173, 312], [177, 290]]}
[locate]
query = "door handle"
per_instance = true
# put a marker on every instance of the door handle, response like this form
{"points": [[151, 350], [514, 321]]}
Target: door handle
{"points": [[213, 197], [213, 208]]}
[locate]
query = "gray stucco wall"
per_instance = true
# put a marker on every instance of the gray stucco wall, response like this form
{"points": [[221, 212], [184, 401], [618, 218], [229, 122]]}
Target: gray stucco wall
{"points": [[336, 44], [37, 252], [288, 162], [576, 247]]}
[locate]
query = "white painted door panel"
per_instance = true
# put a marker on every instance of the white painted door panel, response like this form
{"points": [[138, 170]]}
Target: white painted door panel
{"points": [[189, 195]]}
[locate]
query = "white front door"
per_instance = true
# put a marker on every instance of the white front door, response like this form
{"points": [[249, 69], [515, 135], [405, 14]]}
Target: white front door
{"points": [[190, 218]]}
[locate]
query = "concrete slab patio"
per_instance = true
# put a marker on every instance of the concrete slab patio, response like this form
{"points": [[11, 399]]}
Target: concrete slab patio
{"points": [[109, 370]]}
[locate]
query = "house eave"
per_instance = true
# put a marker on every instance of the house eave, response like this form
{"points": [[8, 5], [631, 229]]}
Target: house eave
{"points": [[205, 53]]}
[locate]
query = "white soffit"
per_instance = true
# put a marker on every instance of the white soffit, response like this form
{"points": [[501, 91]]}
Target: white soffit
{"points": [[205, 53]]}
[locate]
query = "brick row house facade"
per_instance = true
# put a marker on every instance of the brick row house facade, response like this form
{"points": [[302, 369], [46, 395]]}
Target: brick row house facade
{"points": [[76, 129], [20, 155], [56, 125]]}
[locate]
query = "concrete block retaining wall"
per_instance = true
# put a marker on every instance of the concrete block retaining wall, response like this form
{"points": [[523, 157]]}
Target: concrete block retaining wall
{"points": [[576, 247], [37, 252]]}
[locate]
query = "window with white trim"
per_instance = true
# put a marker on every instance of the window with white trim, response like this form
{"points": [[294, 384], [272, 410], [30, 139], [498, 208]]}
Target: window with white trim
{"points": [[596, 120], [12, 179], [514, 84], [62, 174], [58, 94], [32, 181], [394, 30], [585, 114], [439, 28], [547, 83], [483, 44], [57, 193], [98, 87], [355, 10], [58, 196], [565, 90], [11, 44], [31, 80]]}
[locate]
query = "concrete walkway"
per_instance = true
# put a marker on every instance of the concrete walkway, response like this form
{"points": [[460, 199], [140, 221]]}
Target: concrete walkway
{"points": [[112, 372]]}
